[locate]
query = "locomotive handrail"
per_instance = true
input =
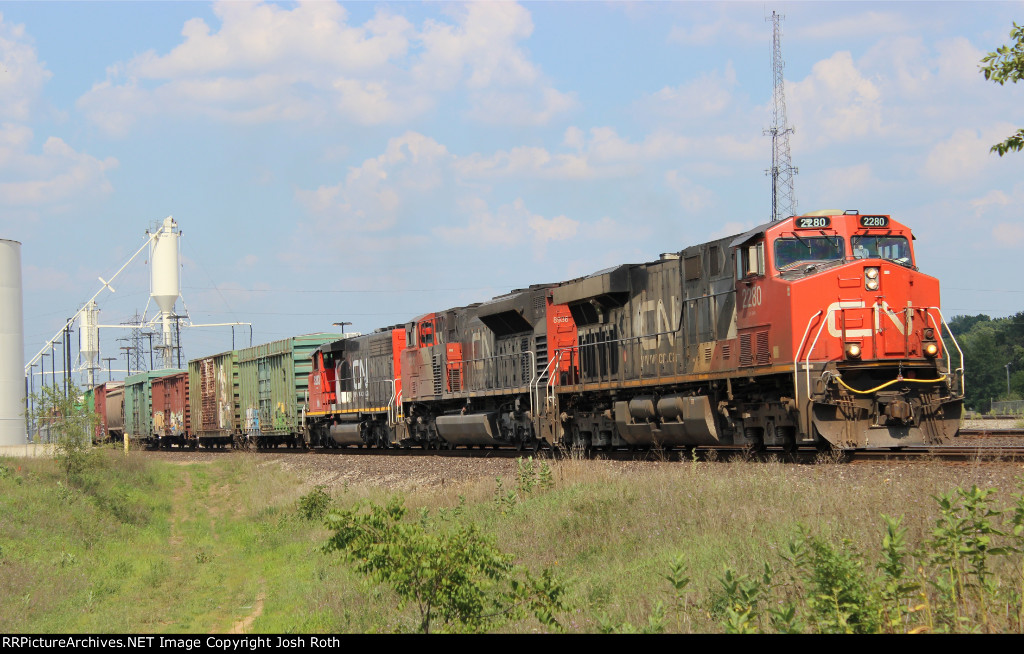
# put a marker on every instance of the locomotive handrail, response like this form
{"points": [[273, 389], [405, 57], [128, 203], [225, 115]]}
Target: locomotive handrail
{"points": [[623, 341], [535, 383], [392, 419], [807, 361], [796, 359], [508, 355], [963, 377]]}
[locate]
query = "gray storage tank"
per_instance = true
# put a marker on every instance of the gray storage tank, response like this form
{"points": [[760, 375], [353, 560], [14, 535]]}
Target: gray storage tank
{"points": [[12, 346]]}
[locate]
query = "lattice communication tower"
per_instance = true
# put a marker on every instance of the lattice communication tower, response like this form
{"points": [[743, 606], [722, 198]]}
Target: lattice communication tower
{"points": [[782, 170]]}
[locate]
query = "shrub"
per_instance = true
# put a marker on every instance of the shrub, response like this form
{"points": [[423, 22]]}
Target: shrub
{"points": [[458, 577], [315, 504]]}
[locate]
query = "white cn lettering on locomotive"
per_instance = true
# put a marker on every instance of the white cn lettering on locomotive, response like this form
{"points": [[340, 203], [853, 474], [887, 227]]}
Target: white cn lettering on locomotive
{"points": [[877, 309], [664, 325]]}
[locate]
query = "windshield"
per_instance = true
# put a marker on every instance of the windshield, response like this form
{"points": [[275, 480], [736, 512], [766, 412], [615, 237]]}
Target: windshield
{"points": [[893, 248], [792, 251]]}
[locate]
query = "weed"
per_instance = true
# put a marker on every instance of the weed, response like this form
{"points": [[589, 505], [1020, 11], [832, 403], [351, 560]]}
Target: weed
{"points": [[739, 599], [504, 502], [546, 478], [315, 504], [455, 512], [526, 475]]}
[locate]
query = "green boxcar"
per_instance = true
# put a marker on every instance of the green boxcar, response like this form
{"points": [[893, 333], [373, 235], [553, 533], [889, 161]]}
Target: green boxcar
{"points": [[213, 399], [273, 380], [138, 405]]}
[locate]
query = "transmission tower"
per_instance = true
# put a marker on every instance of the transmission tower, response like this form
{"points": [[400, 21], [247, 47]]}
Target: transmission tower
{"points": [[782, 170], [136, 360]]}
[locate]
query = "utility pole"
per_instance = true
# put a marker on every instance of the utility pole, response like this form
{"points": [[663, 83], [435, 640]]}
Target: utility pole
{"points": [[110, 373], [128, 349], [782, 170]]}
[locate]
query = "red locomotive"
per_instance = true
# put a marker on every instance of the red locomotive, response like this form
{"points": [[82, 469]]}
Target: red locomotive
{"points": [[813, 330]]}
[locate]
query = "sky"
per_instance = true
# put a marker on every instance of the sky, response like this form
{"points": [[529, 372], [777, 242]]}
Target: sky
{"points": [[370, 162]]}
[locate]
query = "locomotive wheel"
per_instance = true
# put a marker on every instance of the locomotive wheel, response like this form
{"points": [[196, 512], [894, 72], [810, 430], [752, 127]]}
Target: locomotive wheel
{"points": [[789, 443]]}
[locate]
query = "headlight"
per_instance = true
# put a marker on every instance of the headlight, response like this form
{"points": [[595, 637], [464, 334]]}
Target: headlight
{"points": [[871, 279], [852, 350], [931, 350]]}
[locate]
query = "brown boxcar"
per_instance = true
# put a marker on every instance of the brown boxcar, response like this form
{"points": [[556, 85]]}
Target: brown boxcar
{"points": [[171, 414], [213, 399]]}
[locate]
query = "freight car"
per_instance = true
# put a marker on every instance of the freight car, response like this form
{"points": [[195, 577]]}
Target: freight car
{"points": [[213, 400], [113, 411], [272, 388], [171, 413], [138, 406], [105, 399]]}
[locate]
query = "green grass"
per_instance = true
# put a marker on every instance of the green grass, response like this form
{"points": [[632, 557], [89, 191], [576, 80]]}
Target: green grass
{"points": [[130, 545]]}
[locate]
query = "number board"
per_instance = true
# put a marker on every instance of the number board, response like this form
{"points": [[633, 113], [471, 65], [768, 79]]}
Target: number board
{"points": [[813, 222], [874, 221]]}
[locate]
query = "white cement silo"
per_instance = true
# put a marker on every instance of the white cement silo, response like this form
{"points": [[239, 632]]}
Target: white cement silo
{"points": [[165, 285], [90, 343], [12, 346]]}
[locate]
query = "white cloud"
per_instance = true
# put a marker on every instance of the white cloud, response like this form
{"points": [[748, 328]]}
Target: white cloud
{"points": [[692, 197], [52, 177], [1008, 235], [509, 226], [526, 108], [559, 228], [836, 103], [964, 155], [871, 22], [22, 75], [710, 33], [706, 96], [374, 194], [853, 180], [993, 199], [266, 63]]}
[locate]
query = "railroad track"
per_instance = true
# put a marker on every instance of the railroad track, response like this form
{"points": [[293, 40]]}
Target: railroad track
{"points": [[985, 433], [979, 453]]}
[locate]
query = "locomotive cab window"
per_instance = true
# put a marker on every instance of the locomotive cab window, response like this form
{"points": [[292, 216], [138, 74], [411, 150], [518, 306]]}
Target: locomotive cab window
{"points": [[750, 260], [426, 333], [790, 252], [893, 248]]}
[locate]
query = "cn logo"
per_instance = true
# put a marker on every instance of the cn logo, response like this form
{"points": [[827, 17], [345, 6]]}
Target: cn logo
{"points": [[878, 309]]}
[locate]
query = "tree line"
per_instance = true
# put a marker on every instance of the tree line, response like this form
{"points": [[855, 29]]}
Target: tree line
{"points": [[993, 350]]}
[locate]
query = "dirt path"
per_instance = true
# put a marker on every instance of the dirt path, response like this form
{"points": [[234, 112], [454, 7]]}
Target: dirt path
{"points": [[243, 625]]}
